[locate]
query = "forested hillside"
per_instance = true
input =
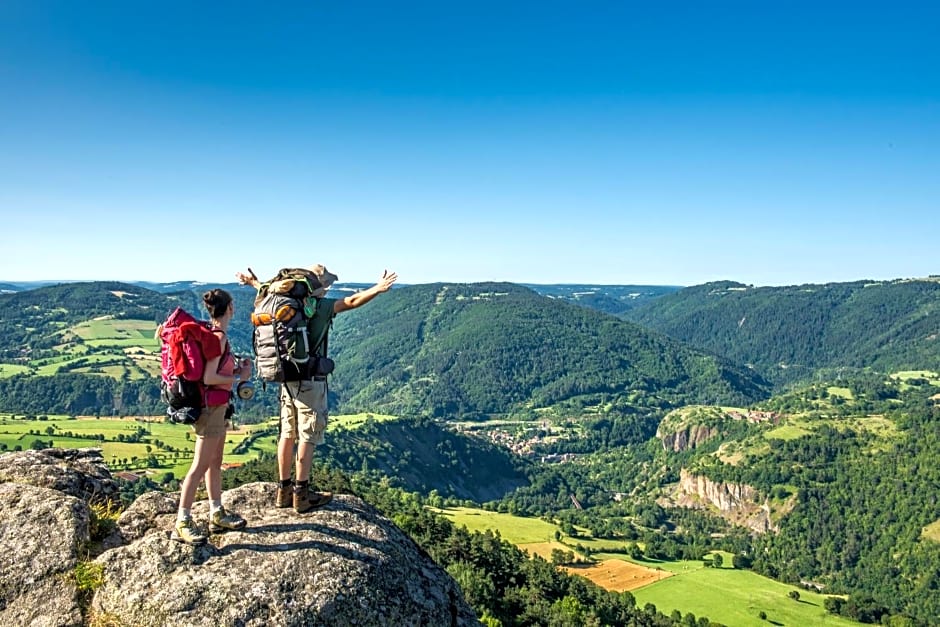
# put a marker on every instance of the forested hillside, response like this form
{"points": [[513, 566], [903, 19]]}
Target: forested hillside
{"points": [[32, 321], [443, 351], [788, 333], [473, 350], [420, 455]]}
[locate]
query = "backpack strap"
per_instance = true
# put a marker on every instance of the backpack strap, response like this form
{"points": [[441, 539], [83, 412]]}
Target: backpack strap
{"points": [[324, 338]]}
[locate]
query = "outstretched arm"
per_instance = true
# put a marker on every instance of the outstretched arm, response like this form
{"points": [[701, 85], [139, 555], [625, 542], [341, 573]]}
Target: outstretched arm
{"points": [[248, 279], [361, 298]]}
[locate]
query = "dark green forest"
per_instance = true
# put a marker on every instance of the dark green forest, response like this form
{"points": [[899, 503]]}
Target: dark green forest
{"points": [[788, 333], [476, 350]]}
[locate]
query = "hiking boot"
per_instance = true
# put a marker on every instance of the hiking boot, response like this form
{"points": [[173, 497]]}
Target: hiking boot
{"points": [[306, 500], [187, 532], [222, 520], [285, 496]]}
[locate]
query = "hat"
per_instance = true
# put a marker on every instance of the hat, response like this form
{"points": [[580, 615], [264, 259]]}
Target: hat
{"points": [[325, 277]]}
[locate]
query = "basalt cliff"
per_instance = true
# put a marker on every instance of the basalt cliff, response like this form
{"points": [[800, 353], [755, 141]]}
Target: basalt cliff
{"points": [[737, 503]]}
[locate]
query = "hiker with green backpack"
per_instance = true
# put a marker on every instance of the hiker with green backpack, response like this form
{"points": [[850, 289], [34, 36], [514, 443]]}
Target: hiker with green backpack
{"points": [[291, 305]]}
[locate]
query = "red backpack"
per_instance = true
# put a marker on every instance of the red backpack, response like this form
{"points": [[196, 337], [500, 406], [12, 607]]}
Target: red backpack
{"points": [[186, 345]]}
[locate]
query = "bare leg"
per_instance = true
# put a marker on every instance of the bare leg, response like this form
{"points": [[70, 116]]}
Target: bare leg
{"points": [[215, 447], [285, 455], [304, 460], [203, 455]]}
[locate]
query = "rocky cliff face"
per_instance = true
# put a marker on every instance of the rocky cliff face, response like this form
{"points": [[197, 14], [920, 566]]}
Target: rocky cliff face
{"points": [[737, 503], [344, 564], [687, 437]]}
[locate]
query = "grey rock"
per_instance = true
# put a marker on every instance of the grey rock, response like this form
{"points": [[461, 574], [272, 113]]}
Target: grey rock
{"points": [[42, 536], [81, 473], [343, 564], [738, 503]]}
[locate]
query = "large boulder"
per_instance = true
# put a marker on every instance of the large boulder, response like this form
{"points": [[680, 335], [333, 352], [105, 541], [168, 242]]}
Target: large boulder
{"points": [[344, 564], [42, 538]]}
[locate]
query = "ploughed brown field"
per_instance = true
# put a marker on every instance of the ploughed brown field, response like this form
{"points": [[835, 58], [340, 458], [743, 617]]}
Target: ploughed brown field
{"points": [[617, 575]]}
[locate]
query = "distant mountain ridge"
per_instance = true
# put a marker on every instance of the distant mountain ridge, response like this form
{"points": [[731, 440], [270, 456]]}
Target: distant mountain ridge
{"points": [[612, 299], [788, 333]]}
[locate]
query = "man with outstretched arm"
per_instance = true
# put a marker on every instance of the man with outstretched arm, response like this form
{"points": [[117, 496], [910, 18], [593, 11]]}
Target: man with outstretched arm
{"points": [[303, 403]]}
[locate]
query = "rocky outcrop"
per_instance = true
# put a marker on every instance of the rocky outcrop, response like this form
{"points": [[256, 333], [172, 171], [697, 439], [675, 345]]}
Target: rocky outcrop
{"points": [[42, 533], [77, 472], [738, 503], [344, 564], [687, 437]]}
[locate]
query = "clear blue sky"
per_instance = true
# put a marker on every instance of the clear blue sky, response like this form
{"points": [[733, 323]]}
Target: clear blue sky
{"points": [[538, 142]]}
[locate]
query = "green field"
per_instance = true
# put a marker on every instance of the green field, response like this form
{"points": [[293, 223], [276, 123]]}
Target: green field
{"points": [[932, 531], [106, 347], [735, 597], [171, 445], [726, 595], [354, 421], [9, 370], [514, 529], [786, 432], [841, 392]]}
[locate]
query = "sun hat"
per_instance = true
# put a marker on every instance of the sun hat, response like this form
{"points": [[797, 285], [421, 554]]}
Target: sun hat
{"points": [[325, 277]]}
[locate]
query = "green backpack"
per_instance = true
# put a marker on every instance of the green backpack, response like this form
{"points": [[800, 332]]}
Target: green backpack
{"points": [[280, 341]]}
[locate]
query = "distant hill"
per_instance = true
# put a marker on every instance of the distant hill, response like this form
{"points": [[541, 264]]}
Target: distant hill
{"points": [[490, 348], [788, 333], [198, 287]]}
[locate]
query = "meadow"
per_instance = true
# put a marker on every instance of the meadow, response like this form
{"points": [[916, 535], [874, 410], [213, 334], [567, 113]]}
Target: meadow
{"points": [[735, 597], [104, 346], [726, 595], [147, 444]]}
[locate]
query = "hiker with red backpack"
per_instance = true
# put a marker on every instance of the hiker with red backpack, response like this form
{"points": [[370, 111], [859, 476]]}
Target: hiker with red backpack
{"points": [[222, 370], [303, 394]]}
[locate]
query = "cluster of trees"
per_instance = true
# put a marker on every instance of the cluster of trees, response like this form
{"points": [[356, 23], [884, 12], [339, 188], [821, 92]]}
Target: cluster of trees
{"points": [[419, 454]]}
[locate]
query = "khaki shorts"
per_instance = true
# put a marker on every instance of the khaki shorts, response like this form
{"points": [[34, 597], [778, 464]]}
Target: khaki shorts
{"points": [[211, 423], [304, 412]]}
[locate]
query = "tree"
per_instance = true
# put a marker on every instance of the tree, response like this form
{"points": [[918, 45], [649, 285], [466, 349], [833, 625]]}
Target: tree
{"points": [[476, 583]]}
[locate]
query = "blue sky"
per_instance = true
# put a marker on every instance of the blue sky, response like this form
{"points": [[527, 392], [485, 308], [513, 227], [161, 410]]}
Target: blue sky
{"points": [[668, 143]]}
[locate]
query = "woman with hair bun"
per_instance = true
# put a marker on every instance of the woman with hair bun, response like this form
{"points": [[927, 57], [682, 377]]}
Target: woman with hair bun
{"points": [[220, 375]]}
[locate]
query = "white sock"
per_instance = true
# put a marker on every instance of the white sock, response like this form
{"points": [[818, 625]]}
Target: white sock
{"points": [[183, 513], [214, 506]]}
